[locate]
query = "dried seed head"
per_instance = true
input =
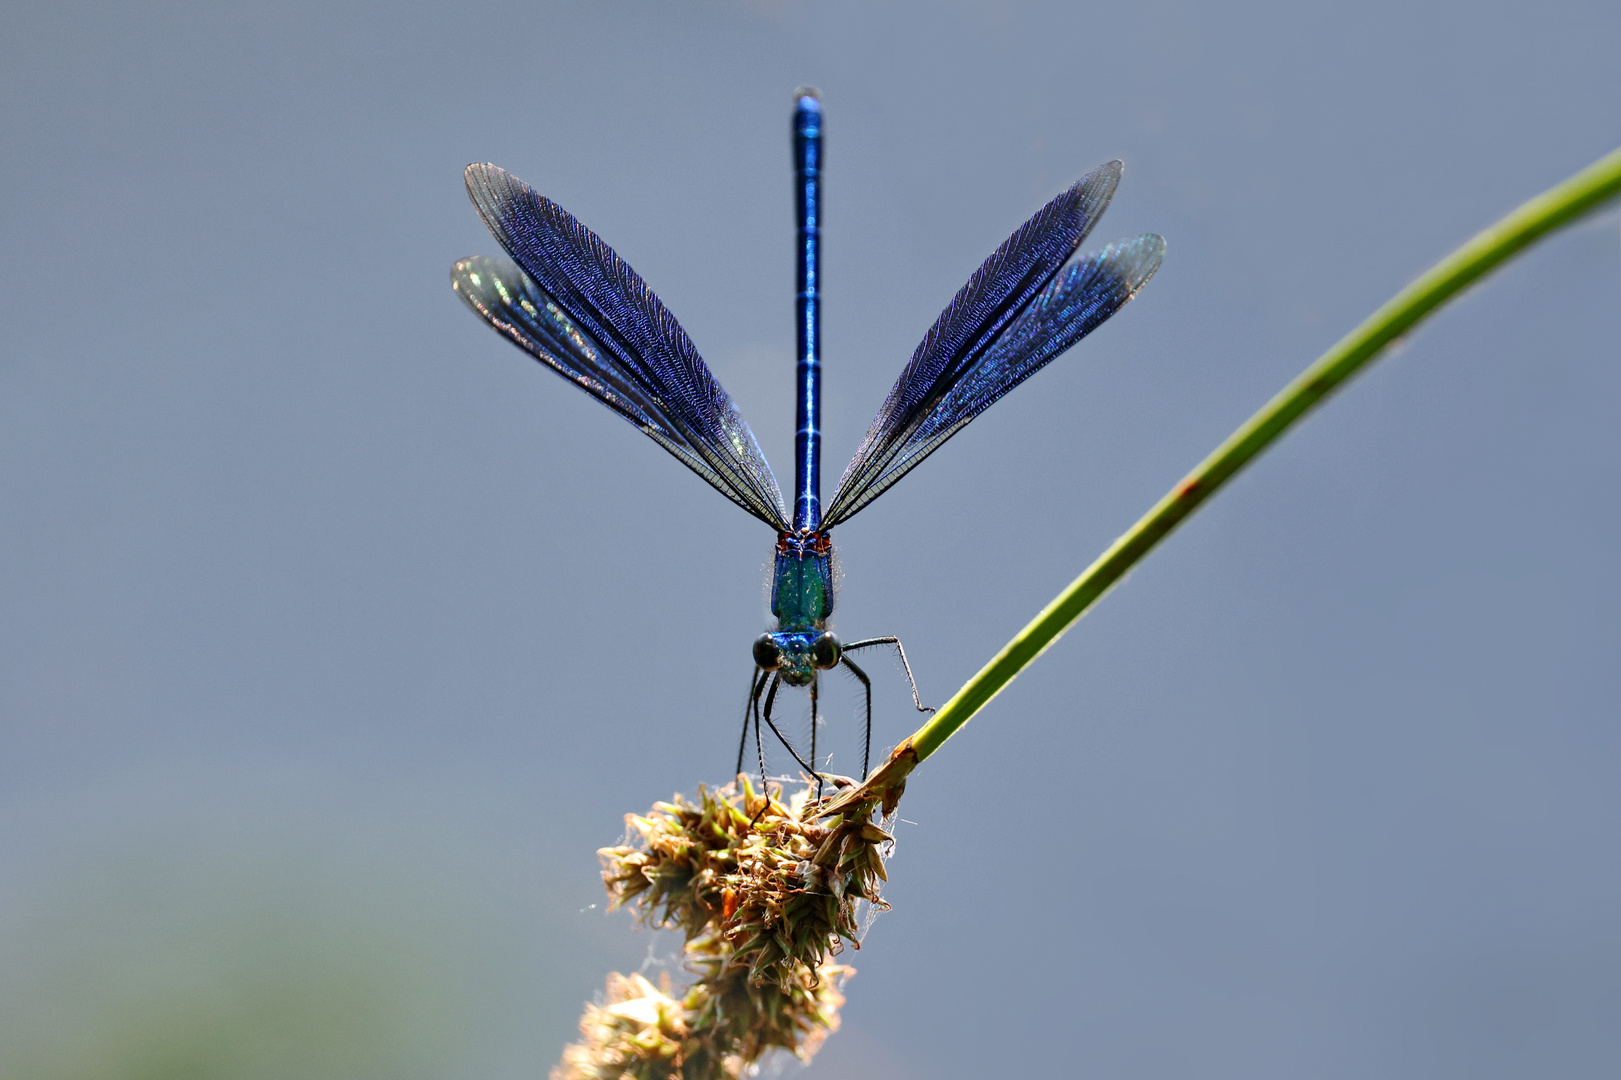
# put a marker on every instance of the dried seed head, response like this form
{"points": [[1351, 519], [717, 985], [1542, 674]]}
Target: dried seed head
{"points": [[765, 893], [637, 1031]]}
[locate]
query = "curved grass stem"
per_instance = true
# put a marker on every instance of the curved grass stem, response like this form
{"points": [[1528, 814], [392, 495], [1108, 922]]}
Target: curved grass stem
{"points": [[1536, 218]]}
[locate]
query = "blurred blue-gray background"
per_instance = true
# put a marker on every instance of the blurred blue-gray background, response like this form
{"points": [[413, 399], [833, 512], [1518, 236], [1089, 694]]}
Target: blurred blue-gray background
{"points": [[336, 635]]}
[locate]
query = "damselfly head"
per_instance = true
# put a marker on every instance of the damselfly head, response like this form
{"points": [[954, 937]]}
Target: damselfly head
{"points": [[796, 657]]}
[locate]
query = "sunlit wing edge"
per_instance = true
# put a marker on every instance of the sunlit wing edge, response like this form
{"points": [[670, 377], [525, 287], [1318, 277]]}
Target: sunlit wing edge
{"points": [[634, 331], [514, 305]]}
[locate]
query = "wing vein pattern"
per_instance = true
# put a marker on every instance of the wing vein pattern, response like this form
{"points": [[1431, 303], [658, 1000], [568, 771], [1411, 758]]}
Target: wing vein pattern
{"points": [[569, 301], [1017, 312]]}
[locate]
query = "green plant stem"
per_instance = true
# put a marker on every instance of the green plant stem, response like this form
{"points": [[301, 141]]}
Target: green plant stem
{"points": [[1552, 209]]}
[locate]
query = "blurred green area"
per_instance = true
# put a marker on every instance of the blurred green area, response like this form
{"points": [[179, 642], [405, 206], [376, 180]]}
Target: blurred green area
{"points": [[259, 936], [132, 978]]}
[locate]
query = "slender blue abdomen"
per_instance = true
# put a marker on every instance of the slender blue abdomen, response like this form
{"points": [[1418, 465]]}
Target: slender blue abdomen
{"points": [[802, 576], [808, 406]]}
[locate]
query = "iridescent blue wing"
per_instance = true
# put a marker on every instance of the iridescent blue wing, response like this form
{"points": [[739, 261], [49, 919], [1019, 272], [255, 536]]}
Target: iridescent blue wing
{"points": [[569, 301], [1015, 314], [976, 316], [1072, 306]]}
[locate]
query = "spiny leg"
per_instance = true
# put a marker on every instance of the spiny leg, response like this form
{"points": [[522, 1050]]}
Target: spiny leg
{"points": [[866, 745], [814, 681], [770, 699], [759, 743], [870, 642], [756, 683]]}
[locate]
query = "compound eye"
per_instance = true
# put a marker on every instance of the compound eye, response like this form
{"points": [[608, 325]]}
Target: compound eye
{"points": [[767, 655], [826, 651]]}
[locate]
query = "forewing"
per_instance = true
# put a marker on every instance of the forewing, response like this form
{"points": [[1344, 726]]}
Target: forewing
{"points": [[976, 317], [621, 344], [510, 301], [1075, 303]]}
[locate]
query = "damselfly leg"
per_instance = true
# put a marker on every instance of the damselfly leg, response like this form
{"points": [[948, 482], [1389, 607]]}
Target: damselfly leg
{"points": [[765, 682], [867, 643], [814, 686], [866, 683], [761, 684], [751, 709]]}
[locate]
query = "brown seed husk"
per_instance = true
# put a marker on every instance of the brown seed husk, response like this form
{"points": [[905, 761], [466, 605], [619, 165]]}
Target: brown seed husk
{"points": [[765, 894]]}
